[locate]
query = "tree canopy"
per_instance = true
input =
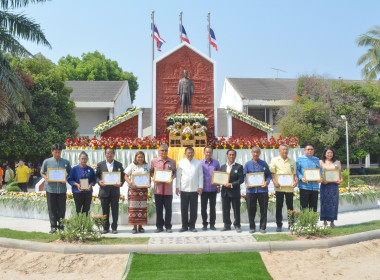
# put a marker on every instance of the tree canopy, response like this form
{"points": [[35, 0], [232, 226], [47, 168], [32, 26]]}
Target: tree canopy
{"points": [[52, 117], [371, 59], [96, 67], [315, 116], [13, 94]]}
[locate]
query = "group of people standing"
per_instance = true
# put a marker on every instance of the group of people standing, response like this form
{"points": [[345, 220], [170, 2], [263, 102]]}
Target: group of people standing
{"points": [[193, 179]]}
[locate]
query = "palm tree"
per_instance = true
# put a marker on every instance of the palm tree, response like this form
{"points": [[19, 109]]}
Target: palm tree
{"points": [[371, 59], [13, 94]]}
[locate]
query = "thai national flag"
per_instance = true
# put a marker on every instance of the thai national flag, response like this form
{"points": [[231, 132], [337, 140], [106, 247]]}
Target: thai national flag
{"points": [[213, 39], [158, 38], [184, 35]]}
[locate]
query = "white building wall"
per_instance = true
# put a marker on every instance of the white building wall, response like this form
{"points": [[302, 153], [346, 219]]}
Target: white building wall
{"points": [[230, 97], [88, 119], [123, 101]]}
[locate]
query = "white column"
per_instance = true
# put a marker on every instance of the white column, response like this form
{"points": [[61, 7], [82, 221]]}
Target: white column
{"points": [[368, 161], [229, 125], [110, 113], [139, 125]]}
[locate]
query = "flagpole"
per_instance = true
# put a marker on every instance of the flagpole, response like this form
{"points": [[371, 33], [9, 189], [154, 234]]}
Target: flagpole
{"points": [[208, 37], [152, 35], [153, 120], [180, 27]]}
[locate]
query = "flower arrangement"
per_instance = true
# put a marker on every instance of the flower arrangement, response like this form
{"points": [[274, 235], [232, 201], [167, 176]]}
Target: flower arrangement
{"points": [[68, 143], [247, 143], [186, 118], [249, 120], [187, 132], [117, 143], [117, 120]]}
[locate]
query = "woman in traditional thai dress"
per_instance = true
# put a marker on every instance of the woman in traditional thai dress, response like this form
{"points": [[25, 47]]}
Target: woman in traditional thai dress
{"points": [[137, 196], [330, 190]]}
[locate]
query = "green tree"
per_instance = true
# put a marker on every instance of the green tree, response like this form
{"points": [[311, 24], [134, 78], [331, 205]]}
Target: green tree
{"points": [[52, 117], [315, 116], [96, 67], [371, 59], [13, 94]]}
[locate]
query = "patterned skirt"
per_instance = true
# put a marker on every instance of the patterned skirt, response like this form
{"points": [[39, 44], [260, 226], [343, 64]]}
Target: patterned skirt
{"points": [[138, 205], [329, 202]]}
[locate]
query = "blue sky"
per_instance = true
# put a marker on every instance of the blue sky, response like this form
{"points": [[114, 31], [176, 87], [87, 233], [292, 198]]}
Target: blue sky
{"points": [[300, 37]]}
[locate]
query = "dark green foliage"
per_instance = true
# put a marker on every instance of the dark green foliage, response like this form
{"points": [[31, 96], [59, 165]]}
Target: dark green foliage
{"points": [[96, 67], [52, 117], [315, 116]]}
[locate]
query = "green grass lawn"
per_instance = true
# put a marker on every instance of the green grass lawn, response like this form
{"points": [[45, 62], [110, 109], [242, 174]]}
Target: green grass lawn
{"points": [[350, 229], [45, 237], [274, 237], [199, 266]]}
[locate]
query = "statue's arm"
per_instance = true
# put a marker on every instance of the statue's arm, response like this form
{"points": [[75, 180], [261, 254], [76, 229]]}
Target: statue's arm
{"points": [[192, 88]]}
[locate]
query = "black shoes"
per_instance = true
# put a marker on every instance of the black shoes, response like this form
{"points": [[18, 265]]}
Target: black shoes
{"points": [[159, 230], [212, 228], [225, 229], [204, 228], [104, 231]]}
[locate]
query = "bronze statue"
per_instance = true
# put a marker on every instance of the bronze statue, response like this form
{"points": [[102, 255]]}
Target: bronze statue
{"points": [[185, 91]]}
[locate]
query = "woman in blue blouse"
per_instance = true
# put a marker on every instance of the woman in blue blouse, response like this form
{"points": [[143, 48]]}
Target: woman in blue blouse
{"points": [[77, 179]]}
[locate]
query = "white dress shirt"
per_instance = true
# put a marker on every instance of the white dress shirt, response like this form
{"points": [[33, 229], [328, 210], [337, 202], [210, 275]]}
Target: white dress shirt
{"points": [[229, 167], [189, 175], [110, 166]]}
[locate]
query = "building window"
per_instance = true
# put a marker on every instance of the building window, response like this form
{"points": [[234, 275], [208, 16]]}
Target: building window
{"points": [[259, 113]]}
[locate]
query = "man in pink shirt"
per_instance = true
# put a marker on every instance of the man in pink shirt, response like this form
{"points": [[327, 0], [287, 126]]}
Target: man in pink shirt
{"points": [[163, 192]]}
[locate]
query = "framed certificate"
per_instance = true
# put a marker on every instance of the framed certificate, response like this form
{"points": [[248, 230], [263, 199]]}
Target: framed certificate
{"points": [[84, 185], [332, 175], [111, 178], [313, 174], [163, 176], [56, 175], [285, 180], [141, 180], [255, 179], [220, 178]]}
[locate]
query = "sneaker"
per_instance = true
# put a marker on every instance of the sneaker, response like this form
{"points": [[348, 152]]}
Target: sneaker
{"points": [[212, 227], [238, 230], [263, 231], [158, 230], [204, 228], [225, 229], [169, 230], [252, 231], [279, 229], [193, 230], [182, 229]]}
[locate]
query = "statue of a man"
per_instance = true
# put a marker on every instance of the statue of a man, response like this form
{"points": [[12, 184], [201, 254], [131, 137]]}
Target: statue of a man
{"points": [[185, 91]]}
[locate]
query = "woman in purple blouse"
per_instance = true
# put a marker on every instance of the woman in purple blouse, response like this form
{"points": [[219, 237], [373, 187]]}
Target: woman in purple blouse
{"points": [[82, 179]]}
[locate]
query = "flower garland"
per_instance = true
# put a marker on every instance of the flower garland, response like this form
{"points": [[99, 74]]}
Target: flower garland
{"points": [[249, 120], [186, 118], [29, 201], [247, 143], [117, 120], [354, 195]]}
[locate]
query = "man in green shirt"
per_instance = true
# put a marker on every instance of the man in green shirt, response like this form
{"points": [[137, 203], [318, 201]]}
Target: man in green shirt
{"points": [[55, 191]]}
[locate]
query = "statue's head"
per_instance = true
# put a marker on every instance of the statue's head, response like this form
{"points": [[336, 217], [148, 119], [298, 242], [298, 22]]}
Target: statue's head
{"points": [[185, 73]]}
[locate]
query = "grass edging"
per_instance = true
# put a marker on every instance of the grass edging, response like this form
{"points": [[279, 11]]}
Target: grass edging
{"points": [[335, 232], [48, 238]]}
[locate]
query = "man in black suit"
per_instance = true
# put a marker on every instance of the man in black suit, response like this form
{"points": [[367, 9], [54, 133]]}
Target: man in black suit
{"points": [[231, 191], [109, 194]]}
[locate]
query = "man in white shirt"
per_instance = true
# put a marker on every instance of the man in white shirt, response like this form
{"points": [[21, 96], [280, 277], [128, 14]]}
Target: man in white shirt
{"points": [[189, 185]]}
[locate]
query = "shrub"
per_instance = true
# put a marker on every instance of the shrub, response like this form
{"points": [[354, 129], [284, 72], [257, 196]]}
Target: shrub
{"points": [[80, 227], [304, 223], [12, 187]]}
